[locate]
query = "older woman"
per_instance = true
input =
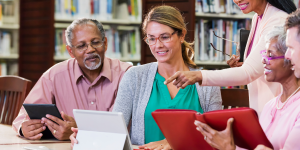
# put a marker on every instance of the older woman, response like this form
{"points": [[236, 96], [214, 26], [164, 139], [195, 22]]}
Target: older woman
{"points": [[280, 118], [268, 14], [142, 91]]}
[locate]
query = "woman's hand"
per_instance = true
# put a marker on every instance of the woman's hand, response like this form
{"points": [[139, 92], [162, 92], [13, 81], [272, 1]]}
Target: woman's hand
{"points": [[73, 137], [159, 145], [234, 61], [181, 79], [222, 140], [262, 147]]}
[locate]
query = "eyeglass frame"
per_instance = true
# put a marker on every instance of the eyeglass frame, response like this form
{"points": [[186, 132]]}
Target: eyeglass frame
{"points": [[157, 38], [87, 46], [237, 44], [267, 59]]}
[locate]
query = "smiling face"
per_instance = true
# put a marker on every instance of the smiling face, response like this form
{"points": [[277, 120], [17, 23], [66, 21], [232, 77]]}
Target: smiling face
{"points": [[166, 52], [248, 6], [91, 58], [293, 51], [276, 71]]}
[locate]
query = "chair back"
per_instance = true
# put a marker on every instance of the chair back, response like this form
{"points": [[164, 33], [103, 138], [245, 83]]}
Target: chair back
{"points": [[234, 98], [13, 91]]}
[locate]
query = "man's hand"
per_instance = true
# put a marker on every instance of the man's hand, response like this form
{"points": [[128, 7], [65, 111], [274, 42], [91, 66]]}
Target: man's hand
{"points": [[234, 61], [73, 137], [32, 129], [181, 79], [159, 145], [222, 140], [61, 130]]}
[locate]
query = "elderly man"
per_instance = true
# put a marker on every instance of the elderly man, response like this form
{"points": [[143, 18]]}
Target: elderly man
{"points": [[88, 80]]}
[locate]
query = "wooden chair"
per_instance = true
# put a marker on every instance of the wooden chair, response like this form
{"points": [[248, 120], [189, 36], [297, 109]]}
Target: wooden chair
{"points": [[233, 98], [13, 90]]}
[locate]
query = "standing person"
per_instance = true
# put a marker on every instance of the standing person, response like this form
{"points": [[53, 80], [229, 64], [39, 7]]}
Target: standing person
{"points": [[268, 14], [88, 80], [142, 91]]}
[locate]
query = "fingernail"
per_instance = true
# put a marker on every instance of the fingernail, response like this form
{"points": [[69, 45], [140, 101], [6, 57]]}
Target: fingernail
{"points": [[44, 127], [165, 82], [47, 115], [42, 121], [40, 134], [233, 56], [198, 128]]}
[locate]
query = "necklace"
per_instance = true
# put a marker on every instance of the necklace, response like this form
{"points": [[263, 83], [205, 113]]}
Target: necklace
{"points": [[277, 106]]}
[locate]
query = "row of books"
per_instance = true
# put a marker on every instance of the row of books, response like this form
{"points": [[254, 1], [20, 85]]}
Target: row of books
{"points": [[8, 68], [130, 10], [125, 45], [217, 6], [204, 37], [5, 43]]}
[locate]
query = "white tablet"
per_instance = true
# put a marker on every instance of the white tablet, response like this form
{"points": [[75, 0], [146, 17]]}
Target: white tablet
{"points": [[101, 130]]}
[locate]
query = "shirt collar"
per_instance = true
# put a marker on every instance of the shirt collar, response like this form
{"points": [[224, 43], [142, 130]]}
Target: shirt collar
{"points": [[105, 71]]}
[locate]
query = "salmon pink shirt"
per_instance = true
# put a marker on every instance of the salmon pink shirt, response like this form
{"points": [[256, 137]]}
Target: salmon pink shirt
{"points": [[65, 85]]}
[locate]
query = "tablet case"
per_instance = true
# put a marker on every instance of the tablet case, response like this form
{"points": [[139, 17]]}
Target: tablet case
{"points": [[38, 111], [179, 129], [244, 34]]}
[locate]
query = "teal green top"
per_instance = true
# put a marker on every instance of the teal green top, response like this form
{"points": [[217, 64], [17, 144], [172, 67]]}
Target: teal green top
{"points": [[160, 98]]}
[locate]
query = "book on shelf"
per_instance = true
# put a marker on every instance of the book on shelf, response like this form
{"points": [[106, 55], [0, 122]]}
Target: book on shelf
{"points": [[1, 18], [217, 6], [5, 43], [3, 69], [121, 44], [99, 9], [224, 28]]}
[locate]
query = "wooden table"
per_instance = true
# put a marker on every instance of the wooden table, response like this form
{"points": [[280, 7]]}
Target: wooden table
{"points": [[9, 140]]}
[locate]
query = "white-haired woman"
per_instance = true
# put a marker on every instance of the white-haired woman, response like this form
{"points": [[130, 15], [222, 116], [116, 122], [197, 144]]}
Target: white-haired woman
{"points": [[280, 118]]}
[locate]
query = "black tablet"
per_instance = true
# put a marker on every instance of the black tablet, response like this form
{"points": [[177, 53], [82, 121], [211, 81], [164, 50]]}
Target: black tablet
{"points": [[38, 111]]}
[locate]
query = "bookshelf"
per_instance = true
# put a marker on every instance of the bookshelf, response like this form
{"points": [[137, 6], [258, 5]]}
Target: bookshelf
{"points": [[120, 24], [224, 16], [9, 29]]}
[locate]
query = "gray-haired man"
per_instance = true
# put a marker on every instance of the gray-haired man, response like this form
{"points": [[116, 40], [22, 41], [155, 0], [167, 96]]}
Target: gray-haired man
{"points": [[88, 80]]}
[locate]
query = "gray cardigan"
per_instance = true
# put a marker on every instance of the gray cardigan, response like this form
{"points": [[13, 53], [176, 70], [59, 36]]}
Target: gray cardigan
{"points": [[134, 93]]}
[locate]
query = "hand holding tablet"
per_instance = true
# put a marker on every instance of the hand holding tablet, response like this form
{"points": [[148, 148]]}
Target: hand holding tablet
{"points": [[47, 122]]}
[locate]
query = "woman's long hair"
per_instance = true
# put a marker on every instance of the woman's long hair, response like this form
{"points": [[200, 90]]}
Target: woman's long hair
{"points": [[285, 5]]}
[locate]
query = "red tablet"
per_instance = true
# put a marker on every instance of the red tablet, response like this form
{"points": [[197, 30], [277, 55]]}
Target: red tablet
{"points": [[179, 129]]}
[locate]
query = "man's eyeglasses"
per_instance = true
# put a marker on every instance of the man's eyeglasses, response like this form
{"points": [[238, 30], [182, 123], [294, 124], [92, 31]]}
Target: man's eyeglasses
{"points": [[84, 46], [237, 46], [165, 38], [267, 59]]}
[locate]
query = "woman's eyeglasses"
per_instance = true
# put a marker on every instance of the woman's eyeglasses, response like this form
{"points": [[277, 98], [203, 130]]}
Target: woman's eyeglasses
{"points": [[165, 38], [267, 59], [237, 46]]}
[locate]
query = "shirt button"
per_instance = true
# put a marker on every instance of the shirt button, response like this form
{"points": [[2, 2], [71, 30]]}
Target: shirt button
{"points": [[92, 103]]}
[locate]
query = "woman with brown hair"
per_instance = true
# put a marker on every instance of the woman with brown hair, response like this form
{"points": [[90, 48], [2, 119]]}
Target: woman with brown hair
{"points": [[142, 90]]}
